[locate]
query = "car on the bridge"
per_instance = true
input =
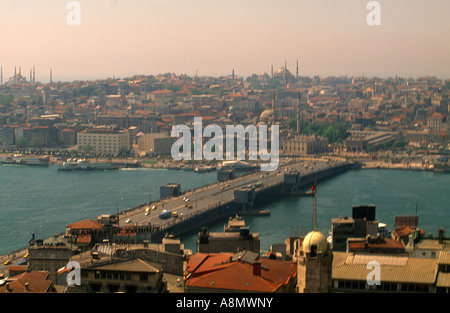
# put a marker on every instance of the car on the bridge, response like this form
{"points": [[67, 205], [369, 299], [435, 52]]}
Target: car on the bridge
{"points": [[164, 214]]}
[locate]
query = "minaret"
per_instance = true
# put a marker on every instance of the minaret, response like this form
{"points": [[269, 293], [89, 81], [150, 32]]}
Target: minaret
{"points": [[299, 113], [31, 76], [34, 75], [15, 74], [1, 75], [297, 71], [273, 107], [272, 71], [51, 78]]}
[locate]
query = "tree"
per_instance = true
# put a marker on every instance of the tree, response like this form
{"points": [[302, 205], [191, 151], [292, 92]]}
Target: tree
{"points": [[87, 148], [21, 143], [37, 142]]}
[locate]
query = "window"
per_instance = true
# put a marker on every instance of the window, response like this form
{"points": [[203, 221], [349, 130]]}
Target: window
{"points": [[313, 250], [143, 277]]}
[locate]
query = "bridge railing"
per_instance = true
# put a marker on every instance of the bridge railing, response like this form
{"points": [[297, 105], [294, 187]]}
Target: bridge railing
{"points": [[195, 213]]}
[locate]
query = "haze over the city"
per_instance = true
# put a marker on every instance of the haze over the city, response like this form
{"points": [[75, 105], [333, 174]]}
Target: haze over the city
{"points": [[123, 38]]}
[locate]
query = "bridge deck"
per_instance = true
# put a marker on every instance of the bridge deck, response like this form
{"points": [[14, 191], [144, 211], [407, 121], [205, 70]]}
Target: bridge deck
{"points": [[210, 197]]}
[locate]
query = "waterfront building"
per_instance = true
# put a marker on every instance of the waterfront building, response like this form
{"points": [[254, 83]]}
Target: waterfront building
{"points": [[45, 136], [360, 140], [66, 137], [244, 271], [155, 143], [304, 145], [8, 137], [104, 141]]}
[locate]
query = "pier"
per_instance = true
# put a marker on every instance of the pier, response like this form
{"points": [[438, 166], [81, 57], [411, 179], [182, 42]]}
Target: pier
{"points": [[187, 211]]}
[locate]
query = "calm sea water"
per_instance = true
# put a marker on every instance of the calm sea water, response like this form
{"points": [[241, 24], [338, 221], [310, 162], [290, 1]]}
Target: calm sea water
{"points": [[43, 201]]}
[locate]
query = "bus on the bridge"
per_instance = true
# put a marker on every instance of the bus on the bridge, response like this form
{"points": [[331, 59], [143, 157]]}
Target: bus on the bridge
{"points": [[259, 184]]}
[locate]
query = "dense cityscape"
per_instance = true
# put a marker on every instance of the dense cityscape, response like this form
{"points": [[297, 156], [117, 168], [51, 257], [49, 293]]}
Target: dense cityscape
{"points": [[326, 125]]}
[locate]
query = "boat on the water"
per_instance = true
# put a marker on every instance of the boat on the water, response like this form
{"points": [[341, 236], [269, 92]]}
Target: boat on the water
{"points": [[19, 160], [203, 168], [83, 165]]}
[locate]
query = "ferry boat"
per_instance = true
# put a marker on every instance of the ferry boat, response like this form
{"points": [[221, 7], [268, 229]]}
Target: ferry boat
{"points": [[19, 160], [203, 169], [83, 165]]}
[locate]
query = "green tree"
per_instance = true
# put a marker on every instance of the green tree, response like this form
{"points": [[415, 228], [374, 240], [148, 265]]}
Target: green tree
{"points": [[6, 100], [37, 142], [87, 148], [21, 143]]}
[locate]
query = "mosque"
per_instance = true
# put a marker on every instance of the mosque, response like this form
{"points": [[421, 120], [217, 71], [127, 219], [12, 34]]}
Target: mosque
{"points": [[292, 143]]}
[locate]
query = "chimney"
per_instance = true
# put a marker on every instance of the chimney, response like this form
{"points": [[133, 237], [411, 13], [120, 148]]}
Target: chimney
{"points": [[257, 268], [441, 235]]}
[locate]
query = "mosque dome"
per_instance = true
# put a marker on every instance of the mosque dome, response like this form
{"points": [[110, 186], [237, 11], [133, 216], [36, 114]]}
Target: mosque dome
{"points": [[315, 241], [266, 114]]}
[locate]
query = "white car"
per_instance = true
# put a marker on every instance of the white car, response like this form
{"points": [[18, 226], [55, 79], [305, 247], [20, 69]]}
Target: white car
{"points": [[128, 221]]}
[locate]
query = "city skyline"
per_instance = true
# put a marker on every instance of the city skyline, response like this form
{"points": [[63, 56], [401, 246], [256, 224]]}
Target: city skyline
{"points": [[122, 39]]}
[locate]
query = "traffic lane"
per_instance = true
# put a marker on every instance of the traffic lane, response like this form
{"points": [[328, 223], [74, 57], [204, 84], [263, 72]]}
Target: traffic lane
{"points": [[216, 189]]}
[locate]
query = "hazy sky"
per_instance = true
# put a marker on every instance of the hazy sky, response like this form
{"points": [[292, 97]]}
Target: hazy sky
{"points": [[125, 37]]}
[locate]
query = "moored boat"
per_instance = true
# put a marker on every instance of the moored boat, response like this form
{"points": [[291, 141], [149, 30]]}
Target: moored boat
{"points": [[83, 165]]}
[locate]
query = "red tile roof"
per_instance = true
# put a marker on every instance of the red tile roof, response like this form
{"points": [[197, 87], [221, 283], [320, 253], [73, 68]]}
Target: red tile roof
{"points": [[35, 282], [220, 271], [84, 239], [86, 224]]}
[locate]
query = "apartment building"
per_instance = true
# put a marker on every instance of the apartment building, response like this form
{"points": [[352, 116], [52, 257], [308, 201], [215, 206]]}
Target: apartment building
{"points": [[104, 141]]}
